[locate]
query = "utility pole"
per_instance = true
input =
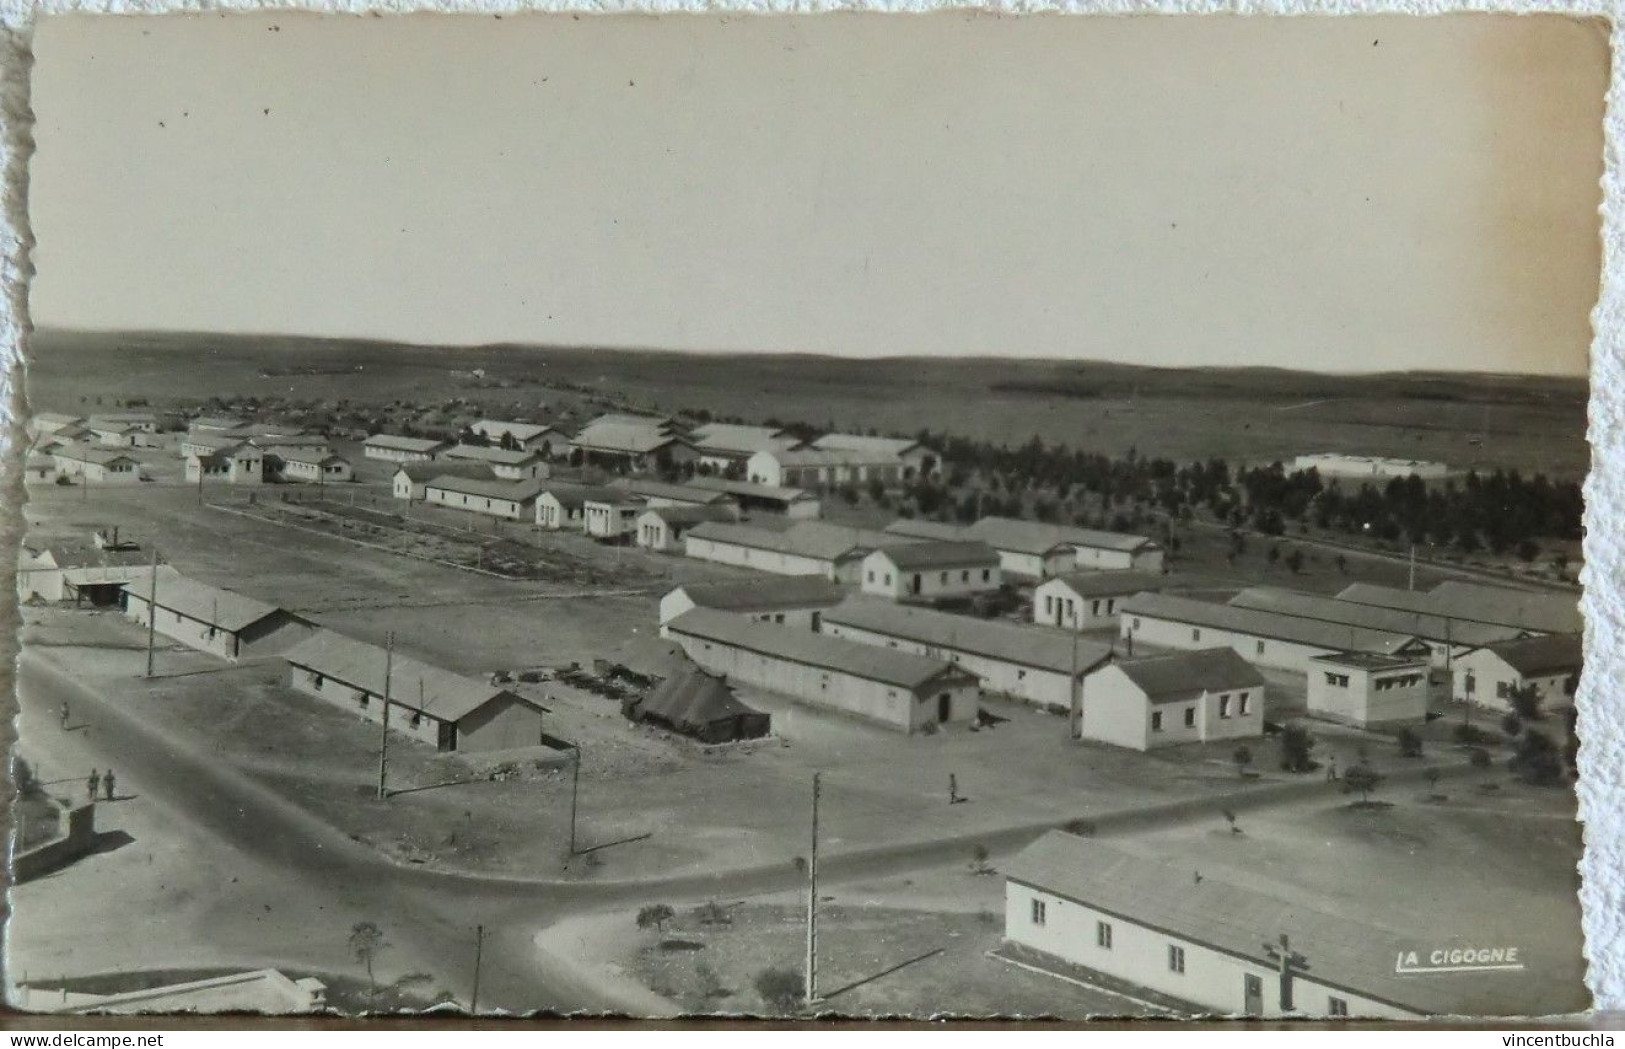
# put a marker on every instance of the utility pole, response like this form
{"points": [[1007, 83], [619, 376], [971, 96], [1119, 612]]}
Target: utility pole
{"points": [[152, 610], [812, 902], [1074, 693], [383, 735], [1287, 963], [200, 481], [479, 951], [1411, 582], [575, 788]]}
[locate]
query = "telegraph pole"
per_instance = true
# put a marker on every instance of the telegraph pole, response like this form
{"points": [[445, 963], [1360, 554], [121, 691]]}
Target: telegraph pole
{"points": [[812, 902], [152, 610], [575, 788], [1411, 581], [383, 735], [479, 951], [1074, 693]]}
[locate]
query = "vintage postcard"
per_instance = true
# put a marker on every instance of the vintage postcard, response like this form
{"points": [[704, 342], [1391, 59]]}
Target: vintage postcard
{"points": [[849, 515]]}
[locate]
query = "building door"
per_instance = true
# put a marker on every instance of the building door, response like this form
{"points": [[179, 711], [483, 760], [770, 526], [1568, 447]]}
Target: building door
{"points": [[945, 707], [914, 585], [1253, 995], [448, 736]]}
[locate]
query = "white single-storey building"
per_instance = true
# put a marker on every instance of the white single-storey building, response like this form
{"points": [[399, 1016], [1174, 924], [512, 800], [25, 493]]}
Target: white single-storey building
{"points": [[931, 571], [792, 601], [447, 711], [509, 500], [633, 443], [395, 449], [1544, 612], [44, 423], [410, 478], [244, 464], [1088, 600], [39, 469], [540, 438], [1337, 464], [897, 689], [206, 443], [1365, 688], [1033, 664], [724, 446], [1201, 937], [663, 493], [804, 548], [310, 467], [662, 528], [1487, 676], [211, 619], [1178, 697], [820, 468], [507, 464], [796, 503], [563, 507], [1264, 639], [96, 465], [62, 571], [917, 460], [613, 514]]}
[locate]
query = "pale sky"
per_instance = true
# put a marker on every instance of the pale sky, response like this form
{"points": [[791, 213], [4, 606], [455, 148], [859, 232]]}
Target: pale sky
{"points": [[1337, 193]]}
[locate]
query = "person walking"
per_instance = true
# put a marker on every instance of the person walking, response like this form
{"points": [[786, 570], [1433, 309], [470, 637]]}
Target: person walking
{"points": [[64, 714], [107, 784], [1331, 770], [92, 784]]}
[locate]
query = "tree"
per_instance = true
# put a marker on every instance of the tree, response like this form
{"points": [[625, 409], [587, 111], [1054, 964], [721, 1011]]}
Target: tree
{"points": [[1296, 746], [1512, 724], [1480, 759], [780, 989], [1410, 744], [1243, 756], [1294, 561], [655, 916], [978, 860], [1362, 778], [1525, 701], [1538, 760], [366, 944], [877, 490]]}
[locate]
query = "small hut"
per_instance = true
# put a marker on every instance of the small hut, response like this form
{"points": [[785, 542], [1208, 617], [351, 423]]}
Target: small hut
{"points": [[699, 705]]}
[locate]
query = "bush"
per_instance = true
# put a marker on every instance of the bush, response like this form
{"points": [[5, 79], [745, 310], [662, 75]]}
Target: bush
{"points": [[1410, 744], [1471, 736], [1512, 724], [780, 989], [1296, 747], [1538, 760]]}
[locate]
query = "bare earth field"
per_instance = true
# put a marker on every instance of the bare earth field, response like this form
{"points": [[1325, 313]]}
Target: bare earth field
{"points": [[1535, 425]]}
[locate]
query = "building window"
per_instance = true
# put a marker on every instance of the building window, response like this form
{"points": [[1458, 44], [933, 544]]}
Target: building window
{"points": [[1190, 717], [964, 577], [1242, 703], [1472, 683], [1021, 675], [1111, 605], [1260, 648], [1049, 604], [1136, 622], [417, 718], [1336, 1006], [871, 577], [1094, 608], [1337, 680], [316, 681], [1038, 912], [779, 618], [942, 579], [1176, 959], [1503, 689], [1224, 706], [1103, 935], [986, 574], [1156, 721], [1196, 635]]}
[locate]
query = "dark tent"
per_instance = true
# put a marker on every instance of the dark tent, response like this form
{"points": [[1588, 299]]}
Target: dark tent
{"points": [[699, 705]]}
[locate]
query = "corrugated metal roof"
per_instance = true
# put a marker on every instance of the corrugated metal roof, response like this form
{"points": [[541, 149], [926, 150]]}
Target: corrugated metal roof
{"points": [[1036, 537], [910, 557], [576, 496], [834, 457], [1314, 633], [853, 442], [421, 472], [916, 528], [82, 453], [403, 444], [733, 439], [413, 684], [1030, 646], [665, 490], [1331, 610], [691, 515], [812, 539], [750, 489], [216, 606], [1355, 954], [1540, 656], [766, 595], [803, 646], [625, 438], [520, 431], [1181, 675], [1558, 613], [1107, 584], [516, 491]]}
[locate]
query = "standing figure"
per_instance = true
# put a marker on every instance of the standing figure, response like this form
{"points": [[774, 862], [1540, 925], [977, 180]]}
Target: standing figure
{"points": [[107, 784], [1331, 770], [91, 784], [64, 714]]}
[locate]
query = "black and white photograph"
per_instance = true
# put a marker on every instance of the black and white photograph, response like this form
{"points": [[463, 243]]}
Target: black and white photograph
{"points": [[930, 516]]}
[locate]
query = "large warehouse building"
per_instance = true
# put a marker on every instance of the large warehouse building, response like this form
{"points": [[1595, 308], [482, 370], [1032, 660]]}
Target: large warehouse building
{"points": [[211, 619], [794, 601], [896, 689]]}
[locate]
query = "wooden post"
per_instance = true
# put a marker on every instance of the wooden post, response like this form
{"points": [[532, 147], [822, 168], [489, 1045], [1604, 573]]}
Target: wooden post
{"points": [[152, 611], [575, 787], [479, 951], [383, 735], [1074, 694], [812, 902]]}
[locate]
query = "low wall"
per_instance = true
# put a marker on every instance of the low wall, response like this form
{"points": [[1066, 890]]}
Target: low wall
{"points": [[77, 841]]}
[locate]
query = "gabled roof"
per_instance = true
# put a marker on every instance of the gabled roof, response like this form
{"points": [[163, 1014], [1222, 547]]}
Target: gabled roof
{"points": [[1331, 610], [812, 539], [65, 554], [625, 438], [917, 528], [885, 665], [1345, 950], [1334, 637], [216, 422], [665, 490], [690, 515], [493, 455], [218, 607], [517, 491], [404, 444], [693, 699], [1557, 613], [1038, 647], [309, 456], [752, 490], [53, 420], [766, 595], [419, 473], [521, 431], [413, 684], [86, 454], [830, 457], [212, 442], [1036, 537], [1541, 656], [1175, 676], [576, 496], [880, 446], [928, 556], [1106, 584], [733, 439]]}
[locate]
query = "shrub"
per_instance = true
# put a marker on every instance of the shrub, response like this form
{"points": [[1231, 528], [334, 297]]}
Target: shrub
{"points": [[1471, 736], [1512, 724], [1538, 760], [1296, 747], [1410, 744], [780, 989]]}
